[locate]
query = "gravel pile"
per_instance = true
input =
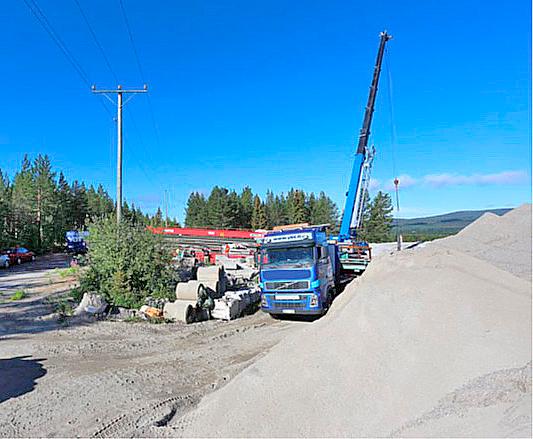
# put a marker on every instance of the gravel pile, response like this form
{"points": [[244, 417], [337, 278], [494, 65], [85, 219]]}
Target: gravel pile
{"points": [[434, 341], [504, 241]]}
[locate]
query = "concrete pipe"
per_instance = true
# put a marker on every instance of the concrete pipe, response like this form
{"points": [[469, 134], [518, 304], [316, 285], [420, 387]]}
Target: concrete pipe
{"points": [[212, 273], [180, 311], [189, 290]]}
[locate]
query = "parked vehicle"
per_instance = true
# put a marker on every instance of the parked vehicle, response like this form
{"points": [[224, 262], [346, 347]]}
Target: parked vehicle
{"points": [[18, 255], [299, 271], [4, 261], [76, 242]]}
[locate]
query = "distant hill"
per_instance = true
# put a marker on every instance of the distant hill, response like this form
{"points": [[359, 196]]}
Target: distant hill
{"points": [[441, 225]]}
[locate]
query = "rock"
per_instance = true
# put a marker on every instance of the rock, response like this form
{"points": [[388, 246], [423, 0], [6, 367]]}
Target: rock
{"points": [[91, 303]]}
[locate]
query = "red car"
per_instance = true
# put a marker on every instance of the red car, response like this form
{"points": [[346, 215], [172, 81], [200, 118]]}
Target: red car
{"points": [[19, 255]]}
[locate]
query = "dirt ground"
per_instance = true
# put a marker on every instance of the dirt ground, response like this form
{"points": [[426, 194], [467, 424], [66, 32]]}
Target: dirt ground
{"points": [[109, 379]]}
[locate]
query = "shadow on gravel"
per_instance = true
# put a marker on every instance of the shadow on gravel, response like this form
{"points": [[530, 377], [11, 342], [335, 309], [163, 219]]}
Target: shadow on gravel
{"points": [[18, 376]]}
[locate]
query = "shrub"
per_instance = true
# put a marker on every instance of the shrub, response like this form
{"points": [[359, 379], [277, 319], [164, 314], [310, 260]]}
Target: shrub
{"points": [[18, 295], [126, 264]]}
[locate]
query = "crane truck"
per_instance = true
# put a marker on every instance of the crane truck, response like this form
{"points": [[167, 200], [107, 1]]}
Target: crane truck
{"points": [[300, 266]]}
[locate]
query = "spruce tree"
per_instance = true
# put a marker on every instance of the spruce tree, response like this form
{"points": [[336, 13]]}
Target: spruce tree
{"points": [[23, 201], [5, 210], [379, 221], [259, 215], [196, 211], [246, 199], [297, 207]]}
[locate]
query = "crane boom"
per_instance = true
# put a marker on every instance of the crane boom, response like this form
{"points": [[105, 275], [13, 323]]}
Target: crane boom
{"points": [[360, 178]]}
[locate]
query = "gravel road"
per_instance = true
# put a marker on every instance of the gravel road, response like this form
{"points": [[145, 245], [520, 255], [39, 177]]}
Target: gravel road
{"points": [[109, 379]]}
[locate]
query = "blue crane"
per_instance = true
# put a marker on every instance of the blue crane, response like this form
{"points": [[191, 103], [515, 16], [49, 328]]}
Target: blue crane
{"points": [[360, 178]]}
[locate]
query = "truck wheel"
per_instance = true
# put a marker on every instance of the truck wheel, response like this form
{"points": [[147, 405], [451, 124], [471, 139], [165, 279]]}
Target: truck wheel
{"points": [[329, 300]]}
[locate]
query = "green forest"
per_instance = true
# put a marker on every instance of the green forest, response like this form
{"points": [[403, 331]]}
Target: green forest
{"points": [[225, 208], [37, 207]]}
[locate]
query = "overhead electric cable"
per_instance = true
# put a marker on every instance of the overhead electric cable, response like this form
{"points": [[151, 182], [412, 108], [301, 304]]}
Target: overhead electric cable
{"points": [[139, 67], [96, 41], [54, 35]]}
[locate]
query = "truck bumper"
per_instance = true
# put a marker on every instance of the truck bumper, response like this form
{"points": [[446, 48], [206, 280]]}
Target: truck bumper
{"points": [[278, 304], [294, 312]]}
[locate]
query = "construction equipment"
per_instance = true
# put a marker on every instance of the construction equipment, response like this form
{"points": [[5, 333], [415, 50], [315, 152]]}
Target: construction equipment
{"points": [[299, 270], [206, 244], [353, 253]]}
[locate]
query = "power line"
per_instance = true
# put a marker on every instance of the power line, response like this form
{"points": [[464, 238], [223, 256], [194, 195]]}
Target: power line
{"points": [[96, 41], [41, 17], [54, 35], [141, 71]]}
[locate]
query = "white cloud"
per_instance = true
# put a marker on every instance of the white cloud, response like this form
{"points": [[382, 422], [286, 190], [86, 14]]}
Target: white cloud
{"points": [[374, 184], [405, 181], [504, 177], [446, 179]]}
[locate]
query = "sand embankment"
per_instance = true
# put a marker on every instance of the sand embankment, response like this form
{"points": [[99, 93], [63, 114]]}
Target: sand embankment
{"points": [[434, 341]]}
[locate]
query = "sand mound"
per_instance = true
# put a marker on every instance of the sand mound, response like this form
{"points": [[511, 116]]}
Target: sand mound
{"points": [[429, 342], [504, 241]]}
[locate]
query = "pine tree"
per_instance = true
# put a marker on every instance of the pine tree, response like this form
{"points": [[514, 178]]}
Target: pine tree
{"points": [[222, 209], [64, 206], [45, 201], [80, 209], [196, 211], [259, 215], [106, 204], [23, 197], [157, 219], [380, 218], [276, 209], [362, 233], [324, 211], [5, 210], [297, 208], [247, 207], [311, 203]]}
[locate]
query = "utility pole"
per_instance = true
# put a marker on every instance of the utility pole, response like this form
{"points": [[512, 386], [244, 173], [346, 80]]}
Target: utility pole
{"points": [[119, 91]]}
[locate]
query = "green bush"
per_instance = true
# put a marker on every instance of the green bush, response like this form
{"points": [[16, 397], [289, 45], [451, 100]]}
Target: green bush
{"points": [[126, 264], [18, 295]]}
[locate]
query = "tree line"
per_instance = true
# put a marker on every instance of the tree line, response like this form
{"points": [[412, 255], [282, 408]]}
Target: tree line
{"points": [[37, 206], [225, 208]]}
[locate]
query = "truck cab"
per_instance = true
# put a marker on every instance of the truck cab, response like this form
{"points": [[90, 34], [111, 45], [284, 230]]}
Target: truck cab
{"points": [[298, 270]]}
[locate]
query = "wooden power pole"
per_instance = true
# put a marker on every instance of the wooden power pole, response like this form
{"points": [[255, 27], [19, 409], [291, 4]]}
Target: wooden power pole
{"points": [[119, 91]]}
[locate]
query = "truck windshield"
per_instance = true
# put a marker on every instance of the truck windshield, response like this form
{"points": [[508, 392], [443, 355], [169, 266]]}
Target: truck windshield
{"points": [[287, 256]]}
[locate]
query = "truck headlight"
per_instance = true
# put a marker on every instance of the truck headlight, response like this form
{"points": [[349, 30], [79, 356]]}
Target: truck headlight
{"points": [[264, 302], [314, 300]]}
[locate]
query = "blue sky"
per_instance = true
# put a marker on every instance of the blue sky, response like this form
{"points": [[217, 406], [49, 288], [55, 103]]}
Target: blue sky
{"points": [[271, 95]]}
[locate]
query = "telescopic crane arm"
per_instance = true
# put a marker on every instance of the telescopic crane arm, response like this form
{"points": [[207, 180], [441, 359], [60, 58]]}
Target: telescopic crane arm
{"points": [[360, 178]]}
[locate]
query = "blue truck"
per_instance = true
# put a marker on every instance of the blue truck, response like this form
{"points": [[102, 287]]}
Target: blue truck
{"points": [[299, 270], [300, 267]]}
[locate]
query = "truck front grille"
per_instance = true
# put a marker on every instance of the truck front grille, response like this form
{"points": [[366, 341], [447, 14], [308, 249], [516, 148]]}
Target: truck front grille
{"points": [[287, 285], [282, 303]]}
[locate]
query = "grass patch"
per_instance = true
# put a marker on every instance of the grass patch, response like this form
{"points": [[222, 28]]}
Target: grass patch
{"points": [[19, 294], [67, 272], [134, 319]]}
